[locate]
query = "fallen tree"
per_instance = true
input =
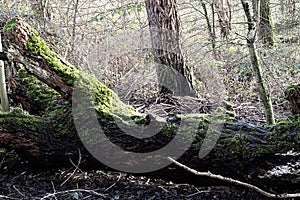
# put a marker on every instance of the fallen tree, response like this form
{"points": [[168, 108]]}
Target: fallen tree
{"points": [[44, 84]]}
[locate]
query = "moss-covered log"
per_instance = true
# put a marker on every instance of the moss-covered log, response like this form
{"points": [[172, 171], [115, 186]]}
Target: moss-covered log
{"points": [[49, 138]]}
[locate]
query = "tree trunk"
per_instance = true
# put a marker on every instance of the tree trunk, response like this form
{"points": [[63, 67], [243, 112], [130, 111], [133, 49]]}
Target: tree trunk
{"points": [[261, 85], [245, 151], [164, 25], [266, 26], [223, 10]]}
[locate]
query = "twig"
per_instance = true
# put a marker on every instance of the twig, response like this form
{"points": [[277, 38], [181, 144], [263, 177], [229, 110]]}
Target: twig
{"points": [[199, 192], [54, 190], [18, 191], [237, 182], [75, 190], [76, 167], [167, 191], [113, 183], [6, 197]]}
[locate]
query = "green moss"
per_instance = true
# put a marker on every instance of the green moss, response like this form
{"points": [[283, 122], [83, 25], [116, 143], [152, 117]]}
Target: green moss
{"points": [[285, 134], [37, 46], [41, 94], [239, 145], [105, 101], [20, 119], [202, 122], [228, 106], [60, 119], [11, 24], [169, 129]]}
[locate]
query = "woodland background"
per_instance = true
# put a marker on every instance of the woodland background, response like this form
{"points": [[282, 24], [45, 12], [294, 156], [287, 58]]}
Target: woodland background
{"points": [[81, 30], [92, 35]]}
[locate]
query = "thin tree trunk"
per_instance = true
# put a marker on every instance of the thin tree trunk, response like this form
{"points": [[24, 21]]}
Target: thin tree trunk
{"points": [[73, 42], [164, 25], [224, 14], [210, 28], [262, 88], [4, 105]]}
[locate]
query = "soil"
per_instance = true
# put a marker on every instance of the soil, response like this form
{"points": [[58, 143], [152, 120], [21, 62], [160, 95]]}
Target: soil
{"points": [[65, 184]]}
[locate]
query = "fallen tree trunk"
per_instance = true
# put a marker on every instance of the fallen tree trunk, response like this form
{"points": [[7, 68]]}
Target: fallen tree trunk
{"points": [[49, 138]]}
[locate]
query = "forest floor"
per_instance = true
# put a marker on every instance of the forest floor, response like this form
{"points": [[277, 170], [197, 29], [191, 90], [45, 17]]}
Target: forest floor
{"points": [[110, 185]]}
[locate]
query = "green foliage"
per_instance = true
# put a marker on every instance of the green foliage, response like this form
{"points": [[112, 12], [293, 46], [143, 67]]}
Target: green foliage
{"points": [[128, 9], [289, 70]]}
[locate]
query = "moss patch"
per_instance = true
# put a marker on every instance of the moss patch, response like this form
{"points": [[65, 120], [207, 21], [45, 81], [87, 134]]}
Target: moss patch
{"points": [[60, 119], [18, 118], [41, 94], [11, 24], [286, 134], [105, 101], [37, 46]]}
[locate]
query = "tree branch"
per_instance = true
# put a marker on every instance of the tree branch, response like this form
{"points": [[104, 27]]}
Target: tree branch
{"points": [[237, 182]]}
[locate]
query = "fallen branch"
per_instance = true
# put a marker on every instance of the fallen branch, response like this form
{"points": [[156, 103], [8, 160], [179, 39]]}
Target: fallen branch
{"points": [[237, 182]]}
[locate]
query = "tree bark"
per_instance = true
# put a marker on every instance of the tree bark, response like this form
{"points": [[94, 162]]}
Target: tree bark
{"points": [[245, 151], [164, 26], [266, 26]]}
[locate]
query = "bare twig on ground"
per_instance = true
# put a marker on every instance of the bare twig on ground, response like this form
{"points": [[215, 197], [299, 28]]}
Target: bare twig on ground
{"points": [[237, 182], [76, 167], [114, 183]]}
